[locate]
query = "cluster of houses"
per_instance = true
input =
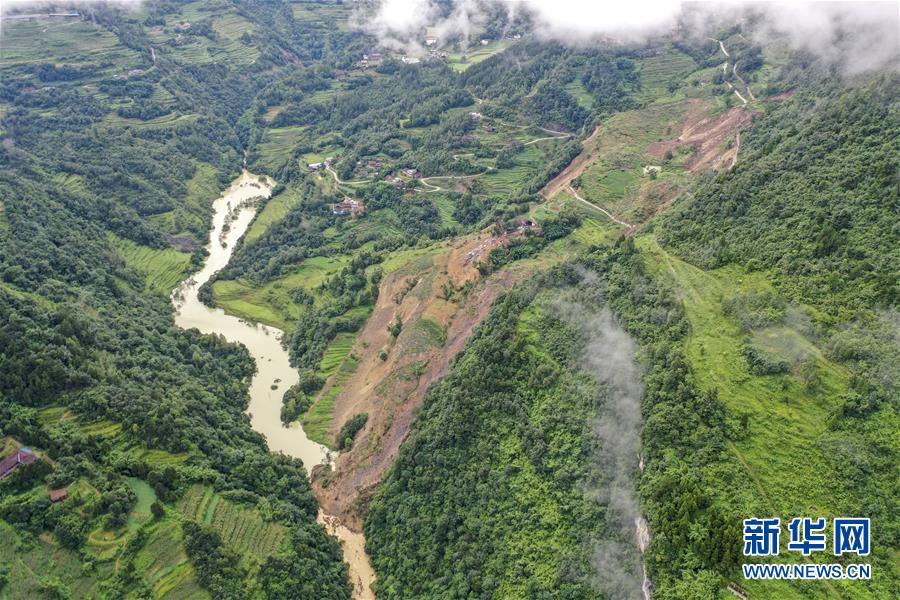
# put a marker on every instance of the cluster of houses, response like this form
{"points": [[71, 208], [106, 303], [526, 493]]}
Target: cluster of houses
{"points": [[318, 166], [372, 59], [348, 206], [22, 457]]}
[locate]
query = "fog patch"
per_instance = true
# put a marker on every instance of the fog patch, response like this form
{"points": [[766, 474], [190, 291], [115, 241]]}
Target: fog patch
{"points": [[852, 36], [609, 355]]}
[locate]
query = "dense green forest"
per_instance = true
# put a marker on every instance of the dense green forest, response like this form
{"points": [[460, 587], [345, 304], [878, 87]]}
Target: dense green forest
{"points": [[104, 145]]}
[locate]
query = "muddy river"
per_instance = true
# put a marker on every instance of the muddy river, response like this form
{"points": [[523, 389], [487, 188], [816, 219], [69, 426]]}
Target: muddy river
{"points": [[233, 212]]}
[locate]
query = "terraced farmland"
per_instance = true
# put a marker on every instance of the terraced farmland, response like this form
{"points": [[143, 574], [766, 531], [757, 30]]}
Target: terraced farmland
{"points": [[165, 566], [242, 529], [277, 146], [658, 72], [162, 269]]}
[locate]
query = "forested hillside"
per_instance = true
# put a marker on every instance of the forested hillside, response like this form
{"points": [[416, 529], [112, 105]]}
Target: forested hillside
{"points": [[114, 142], [763, 305]]}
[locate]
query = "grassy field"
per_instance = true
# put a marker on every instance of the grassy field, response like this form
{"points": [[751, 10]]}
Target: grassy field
{"points": [[162, 269], [615, 180], [274, 210], [140, 512], [782, 462]]}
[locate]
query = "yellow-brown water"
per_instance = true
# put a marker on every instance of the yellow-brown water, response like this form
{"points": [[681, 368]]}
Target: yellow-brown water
{"points": [[233, 212]]}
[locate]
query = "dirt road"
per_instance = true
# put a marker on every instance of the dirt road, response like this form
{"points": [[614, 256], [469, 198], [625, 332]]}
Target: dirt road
{"points": [[612, 217]]}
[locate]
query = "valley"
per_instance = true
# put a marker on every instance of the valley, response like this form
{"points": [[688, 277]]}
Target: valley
{"points": [[294, 304]]}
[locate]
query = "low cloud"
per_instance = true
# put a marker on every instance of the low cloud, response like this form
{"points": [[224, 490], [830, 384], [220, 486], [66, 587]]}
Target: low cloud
{"points": [[9, 6], [854, 36], [609, 355]]}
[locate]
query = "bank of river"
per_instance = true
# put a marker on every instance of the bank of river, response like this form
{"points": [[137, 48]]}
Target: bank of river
{"points": [[233, 212]]}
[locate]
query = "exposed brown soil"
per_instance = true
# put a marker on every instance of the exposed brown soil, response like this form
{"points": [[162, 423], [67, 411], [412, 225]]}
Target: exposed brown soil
{"points": [[184, 243], [392, 390], [708, 136], [783, 96], [578, 166]]}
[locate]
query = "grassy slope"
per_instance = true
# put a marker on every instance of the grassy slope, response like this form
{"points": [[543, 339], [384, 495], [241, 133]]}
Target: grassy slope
{"points": [[785, 472], [162, 269]]}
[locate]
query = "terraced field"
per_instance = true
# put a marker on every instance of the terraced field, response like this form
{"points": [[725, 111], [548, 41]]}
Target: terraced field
{"points": [[165, 566], [162, 269], [659, 72], [275, 210], [65, 40], [271, 303], [580, 93], [242, 529], [38, 566], [337, 360], [177, 40], [277, 146]]}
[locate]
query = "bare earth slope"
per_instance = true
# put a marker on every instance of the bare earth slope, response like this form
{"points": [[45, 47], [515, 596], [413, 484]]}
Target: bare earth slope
{"points": [[438, 317]]}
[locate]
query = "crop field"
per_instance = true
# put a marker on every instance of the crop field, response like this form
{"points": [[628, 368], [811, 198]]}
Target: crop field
{"points": [[162, 269], [277, 145], [271, 303], [242, 528], [459, 62], [185, 47], [317, 420], [658, 72], [580, 93], [531, 157], [38, 566], [170, 120], [319, 15], [164, 565], [338, 350], [64, 40], [275, 210]]}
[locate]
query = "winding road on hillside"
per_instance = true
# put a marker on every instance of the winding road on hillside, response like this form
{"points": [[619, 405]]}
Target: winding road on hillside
{"points": [[612, 217], [340, 181], [735, 73]]}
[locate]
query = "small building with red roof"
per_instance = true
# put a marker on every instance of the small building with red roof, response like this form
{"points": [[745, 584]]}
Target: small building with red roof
{"points": [[22, 456]]}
